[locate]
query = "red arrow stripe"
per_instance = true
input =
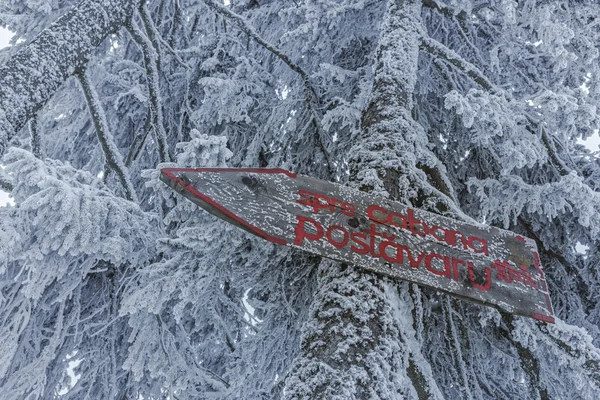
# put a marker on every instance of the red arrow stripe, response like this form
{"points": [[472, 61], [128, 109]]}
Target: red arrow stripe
{"points": [[169, 173]]}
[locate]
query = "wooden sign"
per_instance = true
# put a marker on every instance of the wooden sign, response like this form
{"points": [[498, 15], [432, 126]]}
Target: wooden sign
{"points": [[480, 263]]}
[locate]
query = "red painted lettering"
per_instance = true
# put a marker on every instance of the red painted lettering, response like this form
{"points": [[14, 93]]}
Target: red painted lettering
{"points": [[321, 202], [334, 202], [433, 231], [373, 232], [414, 263], [360, 239], [429, 261], [480, 248], [301, 233], [502, 270], [334, 242], [348, 209], [455, 262], [398, 220], [379, 215], [452, 241], [397, 258], [473, 280], [306, 198]]}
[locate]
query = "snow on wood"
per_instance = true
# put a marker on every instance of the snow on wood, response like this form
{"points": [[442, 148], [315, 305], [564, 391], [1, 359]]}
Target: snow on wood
{"points": [[483, 264]]}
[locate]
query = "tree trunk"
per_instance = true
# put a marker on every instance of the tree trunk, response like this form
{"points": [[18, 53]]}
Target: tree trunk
{"points": [[35, 72], [359, 342]]}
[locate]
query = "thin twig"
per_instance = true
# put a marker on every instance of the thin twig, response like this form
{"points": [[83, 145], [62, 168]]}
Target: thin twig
{"points": [[155, 36], [555, 160], [149, 52], [139, 140]]}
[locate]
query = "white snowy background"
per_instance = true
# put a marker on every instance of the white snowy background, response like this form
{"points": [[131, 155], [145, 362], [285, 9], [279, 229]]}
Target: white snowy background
{"points": [[5, 36]]}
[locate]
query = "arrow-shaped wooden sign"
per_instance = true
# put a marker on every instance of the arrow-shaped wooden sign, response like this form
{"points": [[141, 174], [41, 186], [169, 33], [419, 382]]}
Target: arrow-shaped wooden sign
{"points": [[480, 263]]}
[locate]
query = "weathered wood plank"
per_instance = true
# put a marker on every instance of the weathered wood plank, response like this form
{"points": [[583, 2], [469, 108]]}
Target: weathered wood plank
{"points": [[480, 263]]}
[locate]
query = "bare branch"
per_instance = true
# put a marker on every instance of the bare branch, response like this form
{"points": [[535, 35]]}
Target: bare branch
{"points": [[156, 38], [139, 140]]}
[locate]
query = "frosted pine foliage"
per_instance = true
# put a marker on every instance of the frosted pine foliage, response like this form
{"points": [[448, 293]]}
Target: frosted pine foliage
{"points": [[579, 366], [504, 200], [67, 227], [74, 217], [472, 109], [490, 122], [203, 151]]}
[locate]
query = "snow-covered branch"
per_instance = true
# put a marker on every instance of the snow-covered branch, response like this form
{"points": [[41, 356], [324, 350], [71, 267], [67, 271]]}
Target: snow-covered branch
{"points": [[439, 6], [36, 71], [109, 147], [250, 31], [156, 38], [149, 51], [559, 164], [508, 197], [6, 185], [310, 93], [163, 300], [438, 50]]}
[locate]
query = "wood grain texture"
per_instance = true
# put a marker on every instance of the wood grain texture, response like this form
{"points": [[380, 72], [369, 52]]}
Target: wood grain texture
{"points": [[479, 263]]}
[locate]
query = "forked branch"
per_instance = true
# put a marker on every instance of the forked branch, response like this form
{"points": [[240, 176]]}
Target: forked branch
{"points": [[149, 51], [111, 152]]}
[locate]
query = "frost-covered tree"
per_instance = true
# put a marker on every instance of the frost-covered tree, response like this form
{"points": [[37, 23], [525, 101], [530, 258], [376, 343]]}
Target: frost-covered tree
{"points": [[113, 286]]}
